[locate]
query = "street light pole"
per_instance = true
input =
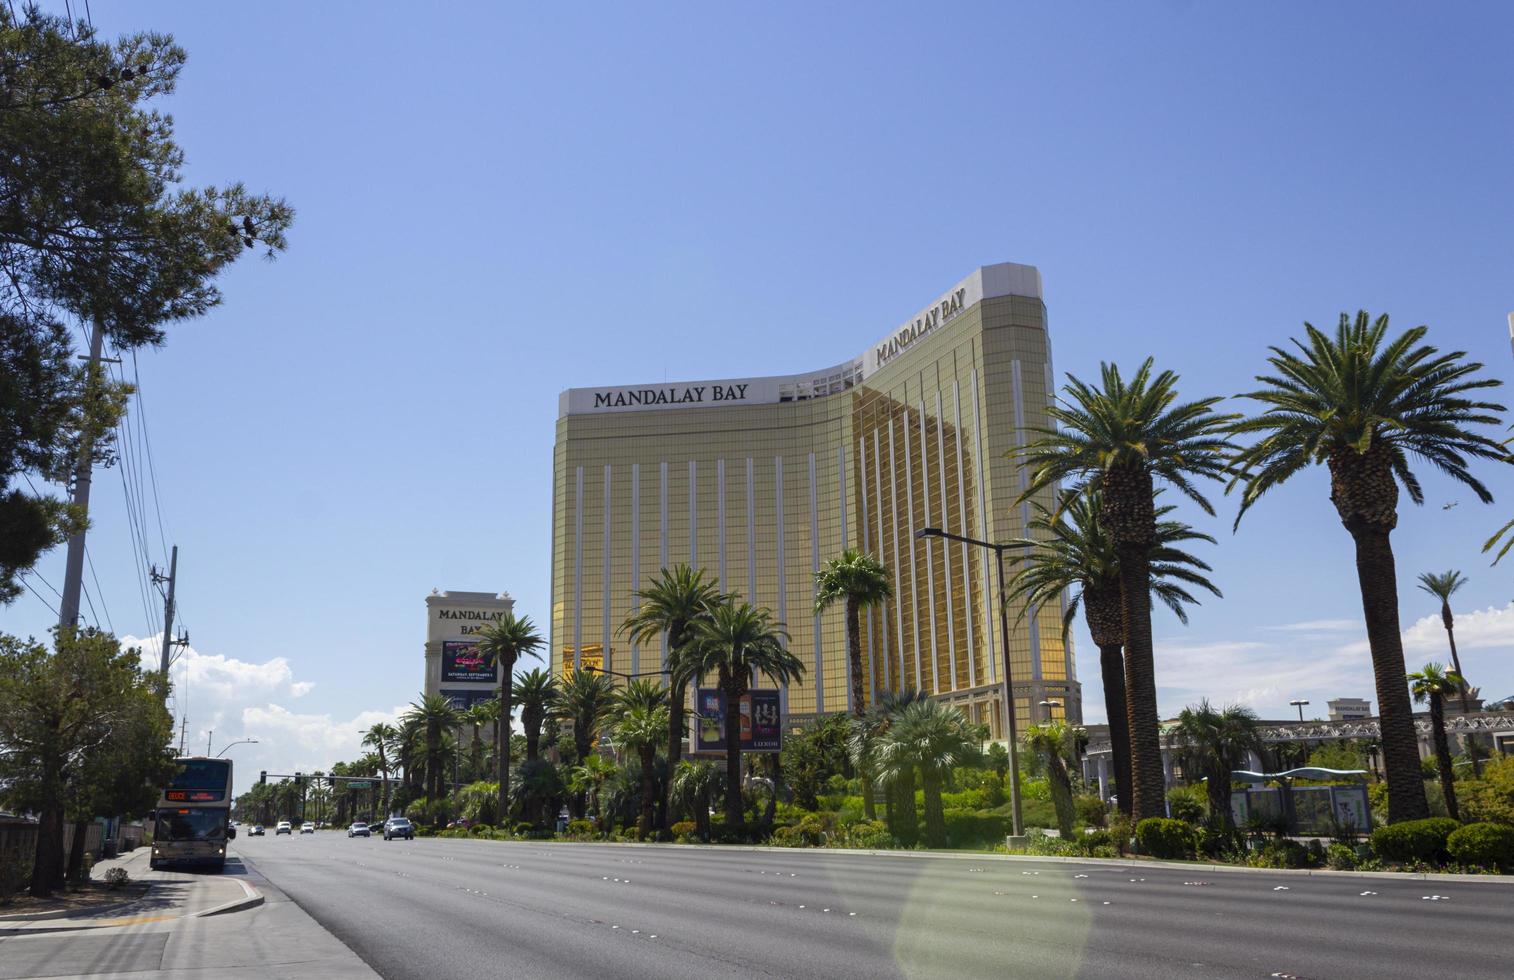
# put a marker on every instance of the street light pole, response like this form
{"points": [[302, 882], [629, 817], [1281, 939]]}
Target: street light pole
{"points": [[1012, 725], [240, 741], [1299, 704]]}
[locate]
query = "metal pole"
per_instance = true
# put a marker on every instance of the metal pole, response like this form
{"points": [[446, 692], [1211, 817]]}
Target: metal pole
{"points": [[73, 574], [1018, 822], [208, 736], [173, 573]]}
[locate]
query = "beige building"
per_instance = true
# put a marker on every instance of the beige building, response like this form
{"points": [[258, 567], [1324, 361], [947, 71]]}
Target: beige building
{"points": [[454, 667], [762, 480]]}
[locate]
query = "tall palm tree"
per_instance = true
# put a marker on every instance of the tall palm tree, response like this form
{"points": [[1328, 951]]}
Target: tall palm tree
{"points": [[1120, 439], [435, 716], [379, 737], [1443, 587], [1432, 683], [585, 698], [930, 738], [507, 639], [476, 716], [409, 751], [1216, 743], [640, 692], [1069, 551], [858, 581], [535, 691], [1056, 742], [1363, 406], [678, 598], [736, 640], [640, 729]]}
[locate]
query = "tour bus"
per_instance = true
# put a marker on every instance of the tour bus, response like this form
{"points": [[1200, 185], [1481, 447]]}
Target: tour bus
{"points": [[193, 815]]}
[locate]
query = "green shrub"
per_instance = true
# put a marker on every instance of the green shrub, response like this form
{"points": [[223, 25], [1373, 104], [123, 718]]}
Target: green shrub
{"points": [[481, 830], [1340, 857], [1282, 853], [685, 828], [1090, 809], [1217, 842], [1188, 804], [523, 828], [1163, 837], [1491, 798], [116, 878], [580, 829], [976, 828], [1120, 831], [1414, 840], [1487, 845], [867, 835]]}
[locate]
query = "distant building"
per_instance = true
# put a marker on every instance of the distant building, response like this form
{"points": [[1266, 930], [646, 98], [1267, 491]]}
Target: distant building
{"points": [[454, 667], [1349, 709]]}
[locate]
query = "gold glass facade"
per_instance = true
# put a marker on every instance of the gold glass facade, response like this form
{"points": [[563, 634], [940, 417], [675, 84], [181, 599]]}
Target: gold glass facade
{"points": [[761, 493]]}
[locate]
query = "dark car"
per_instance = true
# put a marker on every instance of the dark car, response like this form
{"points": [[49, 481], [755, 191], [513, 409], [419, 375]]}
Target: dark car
{"points": [[256, 831], [398, 827]]}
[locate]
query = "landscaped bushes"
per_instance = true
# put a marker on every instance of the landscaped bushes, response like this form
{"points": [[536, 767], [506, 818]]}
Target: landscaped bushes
{"points": [[976, 828], [1187, 803], [1414, 840], [1162, 837], [1487, 845]]}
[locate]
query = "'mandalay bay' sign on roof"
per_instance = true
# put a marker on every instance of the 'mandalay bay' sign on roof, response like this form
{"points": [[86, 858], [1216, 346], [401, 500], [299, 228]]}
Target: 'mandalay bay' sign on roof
{"points": [[1005, 279]]}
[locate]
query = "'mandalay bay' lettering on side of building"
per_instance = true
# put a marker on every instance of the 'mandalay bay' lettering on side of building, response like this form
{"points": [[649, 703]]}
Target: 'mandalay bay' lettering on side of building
{"points": [[949, 307], [690, 395]]}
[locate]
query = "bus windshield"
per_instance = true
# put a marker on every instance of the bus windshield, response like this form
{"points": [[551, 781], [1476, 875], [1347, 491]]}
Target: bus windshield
{"points": [[201, 774], [196, 824]]}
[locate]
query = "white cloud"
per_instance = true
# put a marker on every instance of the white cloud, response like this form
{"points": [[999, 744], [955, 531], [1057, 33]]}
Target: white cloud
{"points": [[1321, 626], [227, 699]]}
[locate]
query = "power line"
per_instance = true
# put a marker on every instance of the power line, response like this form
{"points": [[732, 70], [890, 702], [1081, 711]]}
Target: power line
{"points": [[98, 591], [34, 592], [152, 470]]}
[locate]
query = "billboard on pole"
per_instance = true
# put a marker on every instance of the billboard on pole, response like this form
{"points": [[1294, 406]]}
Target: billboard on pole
{"points": [[761, 722], [464, 661]]}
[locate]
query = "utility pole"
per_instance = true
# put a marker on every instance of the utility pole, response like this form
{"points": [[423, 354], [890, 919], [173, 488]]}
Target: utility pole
{"points": [[173, 573], [73, 575]]}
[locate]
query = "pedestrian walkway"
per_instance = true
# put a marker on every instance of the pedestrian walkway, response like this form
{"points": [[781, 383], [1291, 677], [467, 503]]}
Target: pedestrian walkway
{"points": [[189, 926]]}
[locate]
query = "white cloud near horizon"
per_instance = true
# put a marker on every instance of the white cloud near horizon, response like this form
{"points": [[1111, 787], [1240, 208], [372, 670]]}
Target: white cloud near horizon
{"points": [[226, 699]]}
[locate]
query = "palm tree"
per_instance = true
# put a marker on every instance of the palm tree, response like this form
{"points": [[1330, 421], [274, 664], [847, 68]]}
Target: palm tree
{"points": [[736, 640], [1070, 552], [640, 729], [409, 751], [693, 786], [476, 716], [677, 599], [641, 693], [535, 691], [930, 738], [435, 716], [1120, 439], [859, 581], [1055, 742], [584, 699], [1432, 683], [588, 778], [379, 738], [1363, 406], [1443, 587], [1216, 743], [506, 640]]}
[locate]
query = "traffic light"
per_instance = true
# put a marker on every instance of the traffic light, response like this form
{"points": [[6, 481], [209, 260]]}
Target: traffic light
{"points": [[263, 778]]}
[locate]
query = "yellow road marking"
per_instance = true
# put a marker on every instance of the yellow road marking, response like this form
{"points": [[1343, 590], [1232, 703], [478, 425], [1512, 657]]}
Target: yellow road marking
{"points": [[138, 920]]}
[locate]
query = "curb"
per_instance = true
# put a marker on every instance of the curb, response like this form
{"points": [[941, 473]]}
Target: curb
{"points": [[250, 900], [991, 856], [65, 913]]}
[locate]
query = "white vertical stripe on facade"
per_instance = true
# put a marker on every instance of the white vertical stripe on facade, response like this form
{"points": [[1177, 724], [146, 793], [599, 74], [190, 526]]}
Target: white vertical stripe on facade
{"points": [[893, 496], [963, 556], [751, 535], [635, 556], [929, 544], [693, 514], [867, 548], [663, 544], [578, 567], [883, 651], [946, 546], [985, 529], [783, 592], [914, 584], [815, 567], [720, 520], [1034, 626], [845, 543], [605, 649]]}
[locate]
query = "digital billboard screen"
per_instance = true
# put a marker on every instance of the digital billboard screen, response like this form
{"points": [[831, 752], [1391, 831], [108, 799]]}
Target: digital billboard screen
{"points": [[464, 661], [463, 700], [761, 721]]}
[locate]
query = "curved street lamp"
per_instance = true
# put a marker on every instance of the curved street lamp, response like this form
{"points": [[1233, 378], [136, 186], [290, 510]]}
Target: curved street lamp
{"points": [[240, 741]]}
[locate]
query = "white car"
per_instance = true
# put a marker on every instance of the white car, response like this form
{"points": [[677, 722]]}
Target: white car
{"points": [[283, 828], [307, 828], [359, 829]]}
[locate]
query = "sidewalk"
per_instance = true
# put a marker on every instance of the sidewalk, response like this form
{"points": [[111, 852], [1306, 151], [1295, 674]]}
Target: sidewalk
{"points": [[170, 895], [182, 930]]}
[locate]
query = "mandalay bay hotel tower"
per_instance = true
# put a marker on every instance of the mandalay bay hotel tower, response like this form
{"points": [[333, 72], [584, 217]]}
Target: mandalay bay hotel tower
{"points": [[761, 480]]}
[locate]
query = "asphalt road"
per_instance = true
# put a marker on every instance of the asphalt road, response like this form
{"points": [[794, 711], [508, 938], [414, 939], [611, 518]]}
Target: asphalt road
{"points": [[457, 908]]}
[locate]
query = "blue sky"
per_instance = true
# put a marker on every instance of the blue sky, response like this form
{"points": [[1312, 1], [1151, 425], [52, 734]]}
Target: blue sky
{"points": [[500, 201]]}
